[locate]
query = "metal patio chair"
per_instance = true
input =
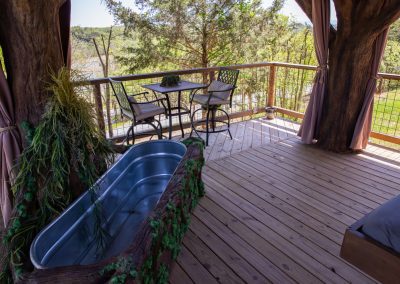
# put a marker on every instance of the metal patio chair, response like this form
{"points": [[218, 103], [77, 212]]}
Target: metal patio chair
{"points": [[219, 93], [138, 112]]}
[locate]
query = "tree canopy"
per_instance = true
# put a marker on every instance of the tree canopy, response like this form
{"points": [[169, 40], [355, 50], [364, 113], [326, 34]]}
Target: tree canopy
{"points": [[190, 33]]}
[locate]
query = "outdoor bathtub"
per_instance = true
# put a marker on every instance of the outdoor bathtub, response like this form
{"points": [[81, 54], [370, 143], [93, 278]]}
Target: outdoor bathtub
{"points": [[127, 193]]}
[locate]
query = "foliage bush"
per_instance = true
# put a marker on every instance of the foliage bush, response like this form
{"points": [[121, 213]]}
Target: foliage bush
{"points": [[66, 150]]}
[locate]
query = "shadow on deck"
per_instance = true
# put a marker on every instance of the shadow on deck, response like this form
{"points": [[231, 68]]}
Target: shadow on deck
{"points": [[276, 210]]}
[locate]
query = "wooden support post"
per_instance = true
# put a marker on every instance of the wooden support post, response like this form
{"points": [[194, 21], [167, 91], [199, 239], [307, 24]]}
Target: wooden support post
{"points": [[271, 86], [99, 107], [212, 76]]}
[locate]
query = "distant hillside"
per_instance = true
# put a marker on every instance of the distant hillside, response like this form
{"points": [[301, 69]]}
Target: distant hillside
{"points": [[84, 56]]}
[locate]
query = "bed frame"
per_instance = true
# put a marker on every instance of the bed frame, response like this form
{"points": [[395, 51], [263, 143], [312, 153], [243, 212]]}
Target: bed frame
{"points": [[375, 259]]}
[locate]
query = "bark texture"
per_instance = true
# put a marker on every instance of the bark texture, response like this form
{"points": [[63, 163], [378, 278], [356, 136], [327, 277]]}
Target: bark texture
{"points": [[30, 39], [351, 49]]}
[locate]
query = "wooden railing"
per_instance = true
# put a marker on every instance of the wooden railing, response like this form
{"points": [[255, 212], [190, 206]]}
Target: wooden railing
{"points": [[282, 85]]}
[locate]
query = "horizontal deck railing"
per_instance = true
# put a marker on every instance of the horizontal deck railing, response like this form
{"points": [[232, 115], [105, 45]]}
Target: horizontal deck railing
{"points": [[283, 85]]}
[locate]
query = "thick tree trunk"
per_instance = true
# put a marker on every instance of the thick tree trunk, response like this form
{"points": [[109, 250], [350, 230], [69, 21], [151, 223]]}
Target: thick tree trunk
{"points": [[351, 50], [29, 37], [350, 60]]}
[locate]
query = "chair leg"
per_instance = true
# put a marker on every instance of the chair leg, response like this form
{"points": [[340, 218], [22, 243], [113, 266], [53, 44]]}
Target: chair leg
{"points": [[133, 135], [180, 124], [229, 131], [160, 130], [229, 122], [192, 120], [155, 129], [229, 125], [213, 111], [193, 126], [191, 116], [127, 134]]}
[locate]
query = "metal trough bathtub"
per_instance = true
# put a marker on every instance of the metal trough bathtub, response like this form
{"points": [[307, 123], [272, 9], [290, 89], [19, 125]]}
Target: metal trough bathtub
{"points": [[126, 194]]}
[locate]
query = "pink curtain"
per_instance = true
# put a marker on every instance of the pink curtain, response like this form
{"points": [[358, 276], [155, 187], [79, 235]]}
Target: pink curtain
{"points": [[363, 125], [321, 25], [10, 145]]}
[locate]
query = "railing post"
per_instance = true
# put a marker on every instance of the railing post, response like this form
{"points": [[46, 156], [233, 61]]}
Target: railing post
{"points": [[271, 86], [99, 107], [212, 76]]}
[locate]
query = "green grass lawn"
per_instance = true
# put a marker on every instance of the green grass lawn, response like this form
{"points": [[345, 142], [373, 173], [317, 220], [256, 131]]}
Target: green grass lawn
{"points": [[386, 116]]}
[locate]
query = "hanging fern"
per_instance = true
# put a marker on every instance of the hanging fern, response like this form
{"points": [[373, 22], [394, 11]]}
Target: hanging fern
{"points": [[66, 144]]}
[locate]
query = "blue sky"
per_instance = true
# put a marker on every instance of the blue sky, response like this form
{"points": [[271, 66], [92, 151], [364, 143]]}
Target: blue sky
{"points": [[93, 13]]}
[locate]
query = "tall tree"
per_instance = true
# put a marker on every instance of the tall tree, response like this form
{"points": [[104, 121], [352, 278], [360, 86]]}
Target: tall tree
{"points": [[187, 33], [351, 49], [105, 64]]}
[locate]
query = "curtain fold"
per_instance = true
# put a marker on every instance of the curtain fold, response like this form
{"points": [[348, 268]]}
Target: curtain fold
{"points": [[10, 145], [321, 25], [364, 121]]}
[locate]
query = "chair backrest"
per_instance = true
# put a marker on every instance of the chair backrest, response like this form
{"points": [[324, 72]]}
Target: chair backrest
{"points": [[124, 101], [227, 79], [228, 76]]}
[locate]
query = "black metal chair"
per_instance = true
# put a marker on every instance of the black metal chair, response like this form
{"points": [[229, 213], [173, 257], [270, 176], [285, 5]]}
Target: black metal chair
{"points": [[138, 112], [219, 93]]}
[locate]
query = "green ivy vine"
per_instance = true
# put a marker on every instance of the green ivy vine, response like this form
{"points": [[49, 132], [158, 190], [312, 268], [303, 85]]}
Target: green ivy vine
{"points": [[166, 232]]}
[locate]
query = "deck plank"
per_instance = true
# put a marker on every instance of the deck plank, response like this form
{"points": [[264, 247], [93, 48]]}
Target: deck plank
{"points": [[280, 260], [210, 261], [178, 275], [238, 139], [280, 200], [289, 230], [228, 143], [257, 134], [261, 263], [317, 260], [299, 176], [276, 210], [306, 190], [347, 175], [192, 266], [235, 261], [248, 135], [316, 174]]}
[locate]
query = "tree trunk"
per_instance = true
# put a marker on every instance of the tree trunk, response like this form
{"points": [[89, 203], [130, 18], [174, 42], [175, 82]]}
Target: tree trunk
{"points": [[105, 66], [350, 60], [29, 37], [351, 50]]}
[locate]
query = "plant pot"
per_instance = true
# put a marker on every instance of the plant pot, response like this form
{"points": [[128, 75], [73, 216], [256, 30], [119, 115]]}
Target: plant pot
{"points": [[270, 111]]}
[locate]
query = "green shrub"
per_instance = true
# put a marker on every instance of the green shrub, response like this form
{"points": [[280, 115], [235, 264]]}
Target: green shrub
{"points": [[65, 146]]}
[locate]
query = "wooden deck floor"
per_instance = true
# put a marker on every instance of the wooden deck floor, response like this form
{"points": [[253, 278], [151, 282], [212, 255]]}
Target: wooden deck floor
{"points": [[277, 211], [245, 135]]}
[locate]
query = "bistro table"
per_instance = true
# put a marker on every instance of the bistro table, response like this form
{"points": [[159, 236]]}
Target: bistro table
{"points": [[178, 110]]}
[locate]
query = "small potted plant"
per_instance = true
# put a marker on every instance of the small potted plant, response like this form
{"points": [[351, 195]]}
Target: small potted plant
{"points": [[170, 81]]}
